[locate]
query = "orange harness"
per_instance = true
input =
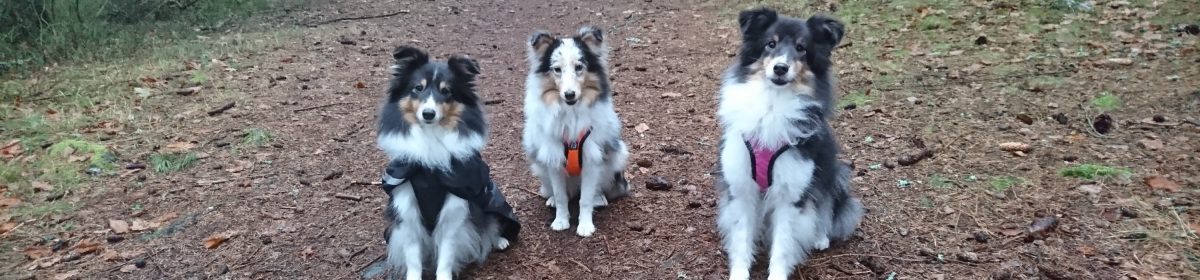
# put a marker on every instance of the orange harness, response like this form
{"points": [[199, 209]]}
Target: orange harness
{"points": [[573, 150]]}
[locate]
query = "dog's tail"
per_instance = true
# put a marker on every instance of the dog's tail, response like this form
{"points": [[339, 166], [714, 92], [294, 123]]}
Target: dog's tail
{"points": [[618, 155], [848, 210]]}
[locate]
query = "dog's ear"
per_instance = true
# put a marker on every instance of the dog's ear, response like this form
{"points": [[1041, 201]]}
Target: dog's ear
{"points": [[463, 65], [593, 37], [826, 31], [408, 57], [754, 22], [539, 42]]}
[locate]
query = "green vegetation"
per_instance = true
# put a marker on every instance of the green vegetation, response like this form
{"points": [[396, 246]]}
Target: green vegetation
{"points": [[1096, 172], [257, 137], [1003, 183], [1106, 102], [172, 162]]}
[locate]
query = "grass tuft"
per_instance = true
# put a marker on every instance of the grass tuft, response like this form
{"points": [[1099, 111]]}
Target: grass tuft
{"points": [[1106, 102], [1003, 183], [257, 137], [1096, 172], [164, 163]]}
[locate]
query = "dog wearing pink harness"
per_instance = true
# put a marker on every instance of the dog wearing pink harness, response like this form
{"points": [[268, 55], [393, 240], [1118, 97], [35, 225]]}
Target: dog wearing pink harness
{"points": [[782, 186]]}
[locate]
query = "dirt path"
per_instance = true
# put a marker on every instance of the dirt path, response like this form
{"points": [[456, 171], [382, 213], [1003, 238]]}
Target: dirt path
{"points": [[281, 201]]}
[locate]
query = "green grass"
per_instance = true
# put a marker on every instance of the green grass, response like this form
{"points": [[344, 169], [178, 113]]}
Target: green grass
{"points": [[257, 137], [164, 163], [1003, 183], [938, 181], [1106, 102], [858, 98], [1096, 172]]}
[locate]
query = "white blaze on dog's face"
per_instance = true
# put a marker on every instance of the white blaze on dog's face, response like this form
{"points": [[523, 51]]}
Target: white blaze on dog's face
{"points": [[571, 69]]}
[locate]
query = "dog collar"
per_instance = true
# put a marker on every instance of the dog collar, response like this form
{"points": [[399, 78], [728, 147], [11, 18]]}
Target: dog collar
{"points": [[573, 151]]}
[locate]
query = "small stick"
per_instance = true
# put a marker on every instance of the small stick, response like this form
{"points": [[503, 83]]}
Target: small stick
{"points": [[348, 196], [221, 109], [589, 270], [371, 183], [357, 18], [320, 106]]}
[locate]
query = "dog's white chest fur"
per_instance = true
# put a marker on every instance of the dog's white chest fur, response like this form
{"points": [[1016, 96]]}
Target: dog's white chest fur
{"points": [[432, 146], [757, 111]]}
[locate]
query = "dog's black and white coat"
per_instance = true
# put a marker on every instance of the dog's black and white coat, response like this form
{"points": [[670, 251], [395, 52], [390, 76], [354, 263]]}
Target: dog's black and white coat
{"points": [[443, 207], [568, 108], [781, 184]]}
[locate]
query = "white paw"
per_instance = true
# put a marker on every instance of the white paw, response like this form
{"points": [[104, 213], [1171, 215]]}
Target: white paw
{"points": [[739, 274], [560, 224], [585, 229], [414, 275], [821, 244], [445, 276], [502, 243], [777, 276]]}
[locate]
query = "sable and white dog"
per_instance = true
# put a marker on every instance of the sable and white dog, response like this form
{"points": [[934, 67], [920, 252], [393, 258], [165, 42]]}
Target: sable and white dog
{"points": [[572, 134], [443, 208], [781, 184]]}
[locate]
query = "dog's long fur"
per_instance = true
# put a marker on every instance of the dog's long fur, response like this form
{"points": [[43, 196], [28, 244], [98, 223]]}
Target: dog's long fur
{"points": [[567, 91], [456, 130], [778, 92]]}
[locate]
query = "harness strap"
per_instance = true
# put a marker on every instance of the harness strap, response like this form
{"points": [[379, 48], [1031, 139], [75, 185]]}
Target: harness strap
{"points": [[573, 151]]}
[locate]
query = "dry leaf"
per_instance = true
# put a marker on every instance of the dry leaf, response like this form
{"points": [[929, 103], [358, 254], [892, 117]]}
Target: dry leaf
{"points": [[1160, 183], [87, 246], [1087, 250], [41, 186], [37, 252], [1152, 144], [360, 84], [166, 217], [1011, 231], [215, 240], [128, 268], [1015, 147], [642, 127], [7, 226], [118, 226], [79, 158], [143, 225], [178, 147], [6, 202], [67, 275], [11, 149], [149, 80], [671, 95]]}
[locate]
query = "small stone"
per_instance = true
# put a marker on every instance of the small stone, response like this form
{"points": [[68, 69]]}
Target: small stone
{"points": [[1061, 118], [1025, 119], [1090, 189], [1192, 29], [1151, 144], [139, 263], [981, 237], [903, 232], [1159, 118], [647, 163], [695, 204], [926, 252], [658, 183], [635, 226], [639, 68], [265, 240], [1070, 158], [981, 40], [970, 257], [114, 238]]}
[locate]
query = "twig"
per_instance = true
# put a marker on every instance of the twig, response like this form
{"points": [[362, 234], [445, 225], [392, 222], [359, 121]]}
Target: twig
{"points": [[320, 106], [357, 18], [829, 258], [221, 109], [371, 183], [535, 194], [348, 196], [589, 270]]}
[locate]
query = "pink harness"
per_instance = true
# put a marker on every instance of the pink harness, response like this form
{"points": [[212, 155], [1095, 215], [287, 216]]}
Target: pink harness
{"points": [[762, 161]]}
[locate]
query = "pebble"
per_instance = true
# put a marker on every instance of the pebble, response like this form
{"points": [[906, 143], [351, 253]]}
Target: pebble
{"points": [[658, 183]]}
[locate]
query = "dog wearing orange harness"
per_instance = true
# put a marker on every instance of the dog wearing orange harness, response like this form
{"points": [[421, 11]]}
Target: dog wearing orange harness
{"points": [[572, 135]]}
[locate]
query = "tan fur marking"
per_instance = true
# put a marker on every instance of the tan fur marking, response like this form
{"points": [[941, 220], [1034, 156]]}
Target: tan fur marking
{"points": [[542, 44], [451, 112], [408, 109], [591, 89], [549, 89], [802, 83]]}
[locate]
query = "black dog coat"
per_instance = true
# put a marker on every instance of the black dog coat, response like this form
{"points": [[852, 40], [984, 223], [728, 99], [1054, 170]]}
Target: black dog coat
{"points": [[467, 178]]}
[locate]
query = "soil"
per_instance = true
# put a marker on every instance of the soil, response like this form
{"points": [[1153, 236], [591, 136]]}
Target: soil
{"points": [[303, 207]]}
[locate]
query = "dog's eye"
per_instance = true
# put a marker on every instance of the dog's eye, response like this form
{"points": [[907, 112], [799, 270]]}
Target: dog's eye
{"points": [[771, 44], [446, 91], [557, 69], [799, 48], [418, 88], [578, 67]]}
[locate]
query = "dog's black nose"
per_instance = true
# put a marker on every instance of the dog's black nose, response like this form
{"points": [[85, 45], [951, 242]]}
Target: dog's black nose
{"points": [[781, 69], [570, 94], [428, 114]]}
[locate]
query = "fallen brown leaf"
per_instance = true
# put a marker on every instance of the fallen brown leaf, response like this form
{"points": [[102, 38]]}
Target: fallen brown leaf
{"points": [[360, 84], [67, 275], [178, 147], [11, 149], [7, 226], [1015, 147], [642, 127], [118, 226], [1087, 250], [87, 246], [37, 252], [6, 202], [1010, 232], [215, 240], [166, 217], [128, 268], [143, 225], [1160, 183]]}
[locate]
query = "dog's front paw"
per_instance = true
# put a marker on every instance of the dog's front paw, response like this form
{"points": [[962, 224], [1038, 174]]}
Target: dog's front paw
{"points": [[821, 244], [445, 276], [739, 274], [560, 224], [585, 229], [502, 243]]}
